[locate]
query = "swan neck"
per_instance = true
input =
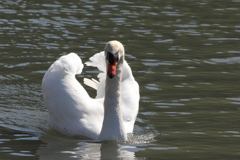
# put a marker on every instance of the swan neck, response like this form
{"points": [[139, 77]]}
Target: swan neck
{"points": [[113, 127]]}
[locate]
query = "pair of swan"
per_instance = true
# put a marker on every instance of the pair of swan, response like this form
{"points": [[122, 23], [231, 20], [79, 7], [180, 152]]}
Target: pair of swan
{"points": [[109, 116]]}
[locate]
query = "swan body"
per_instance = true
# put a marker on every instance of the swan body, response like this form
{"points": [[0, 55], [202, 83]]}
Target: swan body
{"points": [[109, 116]]}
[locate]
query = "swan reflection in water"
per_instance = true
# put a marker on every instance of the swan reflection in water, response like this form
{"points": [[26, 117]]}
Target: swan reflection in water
{"points": [[64, 149]]}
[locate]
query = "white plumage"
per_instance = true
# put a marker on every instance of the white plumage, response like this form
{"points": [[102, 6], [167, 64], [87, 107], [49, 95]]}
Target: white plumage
{"points": [[109, 116]]}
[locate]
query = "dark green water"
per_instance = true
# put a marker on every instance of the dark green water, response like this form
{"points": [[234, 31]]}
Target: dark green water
{"points": [[185, 56]]}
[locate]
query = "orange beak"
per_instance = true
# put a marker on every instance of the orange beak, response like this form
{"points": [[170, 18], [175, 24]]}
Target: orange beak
{"points": [[112, 69], [112, 61]]}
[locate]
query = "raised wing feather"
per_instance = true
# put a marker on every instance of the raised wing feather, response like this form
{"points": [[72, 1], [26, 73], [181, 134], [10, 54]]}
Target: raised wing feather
{"points": [[98, 60]]}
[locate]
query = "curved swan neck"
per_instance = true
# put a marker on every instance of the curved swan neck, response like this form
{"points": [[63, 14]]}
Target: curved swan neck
{"points": [[113, 127]]}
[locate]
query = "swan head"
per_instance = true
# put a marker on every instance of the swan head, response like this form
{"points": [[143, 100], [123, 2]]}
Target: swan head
{"points": [[114, 52]]}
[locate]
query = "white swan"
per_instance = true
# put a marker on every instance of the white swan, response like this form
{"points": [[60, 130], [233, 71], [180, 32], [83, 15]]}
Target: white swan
{"points": [[109, 116]]}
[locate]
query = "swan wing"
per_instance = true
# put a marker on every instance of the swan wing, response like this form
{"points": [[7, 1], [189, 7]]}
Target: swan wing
{"points": [[129, 98], [98, 60], [71, 110]]}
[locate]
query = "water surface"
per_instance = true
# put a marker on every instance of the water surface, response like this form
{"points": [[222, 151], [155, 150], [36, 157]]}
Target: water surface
{"points": [[184, 55]]}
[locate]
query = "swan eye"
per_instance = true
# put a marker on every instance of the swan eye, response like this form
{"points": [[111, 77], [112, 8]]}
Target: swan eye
{"points": [[112, 58]]}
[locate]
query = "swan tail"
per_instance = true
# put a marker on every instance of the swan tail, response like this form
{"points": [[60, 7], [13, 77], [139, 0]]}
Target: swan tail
{"points": [[91, 83]]}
